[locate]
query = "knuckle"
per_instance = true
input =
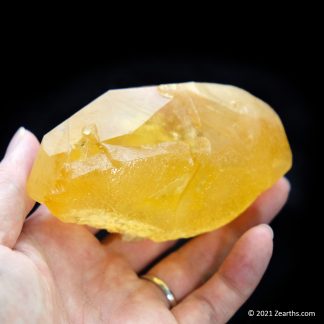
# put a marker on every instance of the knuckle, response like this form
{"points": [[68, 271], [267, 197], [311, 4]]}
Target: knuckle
{"points": [[208, 310], [231, 286]]}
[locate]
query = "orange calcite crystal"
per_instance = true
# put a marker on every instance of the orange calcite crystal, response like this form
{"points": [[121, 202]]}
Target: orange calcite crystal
{"points": [[161, 162]]}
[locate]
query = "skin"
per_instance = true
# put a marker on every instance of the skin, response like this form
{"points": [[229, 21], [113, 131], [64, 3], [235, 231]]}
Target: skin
{"points": [[52, 272]]}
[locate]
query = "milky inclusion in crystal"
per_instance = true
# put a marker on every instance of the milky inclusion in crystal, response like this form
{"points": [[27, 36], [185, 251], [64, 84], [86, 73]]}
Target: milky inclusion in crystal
{"points": [[161, 162]]}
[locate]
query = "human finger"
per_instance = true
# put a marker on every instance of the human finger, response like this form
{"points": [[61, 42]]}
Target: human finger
{"points": [[221, 296], [14, 169], [191, 265]]}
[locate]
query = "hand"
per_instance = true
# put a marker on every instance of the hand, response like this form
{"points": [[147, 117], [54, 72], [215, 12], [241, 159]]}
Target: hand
{"points": [[51, 272]]}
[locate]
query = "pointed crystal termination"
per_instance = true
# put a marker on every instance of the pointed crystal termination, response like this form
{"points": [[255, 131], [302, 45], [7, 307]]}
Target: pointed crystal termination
{"points": [[161, 162]]}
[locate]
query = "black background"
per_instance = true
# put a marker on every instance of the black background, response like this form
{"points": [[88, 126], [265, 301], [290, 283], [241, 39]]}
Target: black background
{"points": [[46, 80]]}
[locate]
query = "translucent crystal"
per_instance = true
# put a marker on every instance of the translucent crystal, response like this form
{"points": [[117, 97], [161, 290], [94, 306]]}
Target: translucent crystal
{"points": [[161, 162]]}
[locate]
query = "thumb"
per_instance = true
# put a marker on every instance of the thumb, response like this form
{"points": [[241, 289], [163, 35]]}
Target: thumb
{"points": [[14, 170]]}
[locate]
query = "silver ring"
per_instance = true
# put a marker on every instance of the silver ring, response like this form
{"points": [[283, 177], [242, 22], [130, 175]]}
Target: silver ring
{"points": [[164, 287]]}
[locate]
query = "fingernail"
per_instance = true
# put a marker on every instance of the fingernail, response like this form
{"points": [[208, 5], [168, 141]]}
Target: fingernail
{"points": [[17, 138], [288, 183], [269, 229]]}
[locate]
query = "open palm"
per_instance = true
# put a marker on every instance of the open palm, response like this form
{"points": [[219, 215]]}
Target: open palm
{"points": [[51, 272]]}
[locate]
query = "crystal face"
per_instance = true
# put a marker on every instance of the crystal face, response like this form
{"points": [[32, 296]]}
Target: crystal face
{"points": [[161, 162]]}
